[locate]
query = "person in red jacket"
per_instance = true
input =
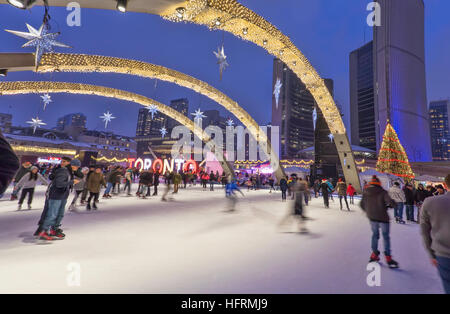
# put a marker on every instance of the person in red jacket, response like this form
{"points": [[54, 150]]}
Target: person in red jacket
{"points": [[351, 191]]}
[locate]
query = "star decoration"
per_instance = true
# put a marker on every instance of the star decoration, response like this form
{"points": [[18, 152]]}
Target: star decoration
{"points": [[153, 109], [46, 99], [314, 117], [36, 123], [163, 131], [331, 137], [107, 117], [221, 60], [41, 39], [277, 91], [198, 115], [230, 122]]}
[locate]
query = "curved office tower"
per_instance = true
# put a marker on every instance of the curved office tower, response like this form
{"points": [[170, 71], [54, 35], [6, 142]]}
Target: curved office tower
{"points": [[399, 63]]}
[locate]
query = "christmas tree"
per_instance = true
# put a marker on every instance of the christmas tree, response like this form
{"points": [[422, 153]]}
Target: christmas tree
{"points": [[392, 158]]}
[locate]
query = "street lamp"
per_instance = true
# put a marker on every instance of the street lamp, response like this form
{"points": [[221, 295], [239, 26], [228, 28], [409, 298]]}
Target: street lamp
{"points": [[21, 4], [122, 5]]}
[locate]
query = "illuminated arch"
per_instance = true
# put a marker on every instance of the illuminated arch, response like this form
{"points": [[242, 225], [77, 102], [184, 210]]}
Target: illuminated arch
{"points": [[15, 88]]}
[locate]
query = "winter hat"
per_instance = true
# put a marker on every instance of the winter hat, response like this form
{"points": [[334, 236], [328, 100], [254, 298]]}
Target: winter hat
{"points": [[33, 167], [75, 162], [85, 169], [375, 181]]}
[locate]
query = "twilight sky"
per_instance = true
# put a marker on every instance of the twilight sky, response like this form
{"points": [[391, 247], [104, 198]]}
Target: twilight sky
{"points": [[326, 31]]}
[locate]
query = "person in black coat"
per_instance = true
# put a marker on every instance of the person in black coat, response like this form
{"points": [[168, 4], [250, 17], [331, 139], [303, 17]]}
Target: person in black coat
{"points": [[283, 187], [155, 183], [409, 204], [9, 164]]}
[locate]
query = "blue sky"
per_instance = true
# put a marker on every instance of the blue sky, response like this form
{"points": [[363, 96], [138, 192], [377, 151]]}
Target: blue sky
{"points": [[324, 30]]}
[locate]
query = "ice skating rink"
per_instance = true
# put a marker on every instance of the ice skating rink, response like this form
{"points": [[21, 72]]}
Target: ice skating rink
{"points": [[190, 245]]}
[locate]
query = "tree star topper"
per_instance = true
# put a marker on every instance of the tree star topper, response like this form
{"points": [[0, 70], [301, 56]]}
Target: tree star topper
{"points": [[36, 123], [46, 99], [221, 60], [277, 91], [41, 39], [107, 117]]}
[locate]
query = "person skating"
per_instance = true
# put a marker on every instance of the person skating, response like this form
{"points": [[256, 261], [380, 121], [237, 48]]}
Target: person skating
{"points": [[375, 202], [230, 194], [351, 191], [212, 179], [128, 180], [58, 192], [28, 184], [79, 188], [155, 183], [325, 189], [23, 170], [283, 187], [271, 184], [145, 181], [169, 180], [398, 196], [409, 202], [85, 193], [435, 228], [111, 179], [419, 197], [176, 182], [9, 162], [341, 188], [94, 183]]}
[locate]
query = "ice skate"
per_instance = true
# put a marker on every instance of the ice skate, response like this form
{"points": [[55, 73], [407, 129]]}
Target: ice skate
{"points": [[375, 257], [391, 263]]}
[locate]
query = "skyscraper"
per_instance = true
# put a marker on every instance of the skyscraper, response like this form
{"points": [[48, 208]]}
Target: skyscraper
{"points": [[5, 122], [399, 76], [440, 129], [292, 111], [362, 98], [180, 105], [72, 120]]}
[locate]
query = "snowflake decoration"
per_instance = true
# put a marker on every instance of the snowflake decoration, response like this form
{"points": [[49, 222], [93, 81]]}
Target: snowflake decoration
{"points": [[153, 109], [221, 60], [314, 115], [198, 115], [230, 122], [41, 39], [331, 137], [107, 117], [36, 123], [277, 91], [46, 99], [163, 131]]}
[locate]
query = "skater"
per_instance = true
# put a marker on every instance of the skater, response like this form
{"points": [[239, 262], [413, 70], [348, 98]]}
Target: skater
{"points": [[145, 181], [24, 169], [375, 202], [419, 197], [283, 188], [205, 179], [297, 211], [398, 196], [325, 189], [28, 184], [169, 179], [409, 202], [176, 182], [58, 192], [86, 190], [155, 183], [79, 188], [9, 162], [230, 194], [341, 188], [271, 184], [94, 183], [128, 180], [212, 179], [435, 227], [351, 193]]}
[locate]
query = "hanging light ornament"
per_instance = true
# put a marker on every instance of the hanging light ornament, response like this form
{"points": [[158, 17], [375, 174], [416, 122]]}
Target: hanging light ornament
{"points": [[41, 39], [153, 109], [277, 91], [107, 118], [198, 115], [314, 115], [46, 99], [230, 122], [163, 131], [36, 123], [221, 60]]}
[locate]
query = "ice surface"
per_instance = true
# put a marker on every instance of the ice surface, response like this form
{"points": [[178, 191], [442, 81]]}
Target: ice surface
{"points": [[191, 246]]}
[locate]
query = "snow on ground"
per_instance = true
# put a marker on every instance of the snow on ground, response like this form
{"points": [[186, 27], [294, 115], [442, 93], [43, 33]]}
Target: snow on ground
{"points": [[191, 246]]}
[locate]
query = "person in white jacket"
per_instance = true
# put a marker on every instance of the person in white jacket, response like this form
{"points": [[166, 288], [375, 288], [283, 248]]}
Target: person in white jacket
{"points": [[28, 184], [397, 194]]}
